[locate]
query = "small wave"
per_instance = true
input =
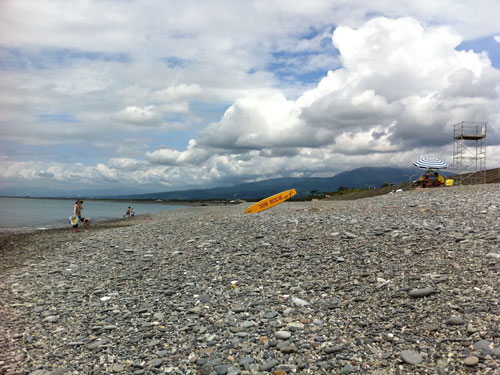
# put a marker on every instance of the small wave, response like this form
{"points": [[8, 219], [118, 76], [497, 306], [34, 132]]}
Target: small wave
{"points": [[19, 230]]}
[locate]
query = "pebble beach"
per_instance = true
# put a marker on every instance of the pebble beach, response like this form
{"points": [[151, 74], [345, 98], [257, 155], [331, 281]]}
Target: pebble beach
{"points": [[404, 283]]}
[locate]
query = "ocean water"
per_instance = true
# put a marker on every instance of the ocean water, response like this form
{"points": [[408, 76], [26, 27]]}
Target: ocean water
{"points": [[27, 214]]}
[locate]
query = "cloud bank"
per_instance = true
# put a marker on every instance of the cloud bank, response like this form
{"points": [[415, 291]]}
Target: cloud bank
{"points": [[399, 91]]}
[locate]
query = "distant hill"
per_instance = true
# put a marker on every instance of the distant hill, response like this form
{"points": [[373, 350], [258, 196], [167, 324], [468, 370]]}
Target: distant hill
{"points": [[358, 178]]}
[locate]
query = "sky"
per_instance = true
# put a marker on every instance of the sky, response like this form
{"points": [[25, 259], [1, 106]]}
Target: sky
{"points": [[125, 96]]}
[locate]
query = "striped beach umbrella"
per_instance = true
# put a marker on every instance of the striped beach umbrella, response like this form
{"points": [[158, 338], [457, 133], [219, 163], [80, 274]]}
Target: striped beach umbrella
{"points": [[430, 163]]}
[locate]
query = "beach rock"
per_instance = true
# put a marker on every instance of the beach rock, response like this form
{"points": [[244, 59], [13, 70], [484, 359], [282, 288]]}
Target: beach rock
{"points": [[299, 301], [493, 255], [51, 319], [98, 343], [296, 325], [117, 367], [484, 346], [471, 361], [423, 292], [157, 362], [283, 335], [288, 349], [268, 366], [159, 316], [153, 343], [58, 371], [221, 369], [454, 321], [333, 349], [199, 293], [347, 369], [411, 357]]}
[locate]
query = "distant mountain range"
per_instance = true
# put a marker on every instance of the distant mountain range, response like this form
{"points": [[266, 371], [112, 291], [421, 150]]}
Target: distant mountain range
{"points": [[366, 177]]}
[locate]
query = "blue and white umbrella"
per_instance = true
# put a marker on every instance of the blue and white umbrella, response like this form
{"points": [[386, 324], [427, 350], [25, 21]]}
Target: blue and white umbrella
{"points": [[430, 163]]}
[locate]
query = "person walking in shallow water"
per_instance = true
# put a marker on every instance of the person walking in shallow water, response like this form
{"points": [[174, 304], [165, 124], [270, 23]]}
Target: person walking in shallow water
{"points": [[127, 214]]}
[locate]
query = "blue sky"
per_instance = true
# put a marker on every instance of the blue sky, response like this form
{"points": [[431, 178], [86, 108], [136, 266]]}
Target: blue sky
{"points": [[486, 44], [149, 96]]}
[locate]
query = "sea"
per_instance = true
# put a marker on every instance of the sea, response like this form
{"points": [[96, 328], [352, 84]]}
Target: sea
{"points": [[19, 215]]}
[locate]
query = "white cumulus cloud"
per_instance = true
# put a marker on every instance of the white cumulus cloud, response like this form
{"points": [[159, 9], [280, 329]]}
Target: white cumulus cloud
{"points": [[401, 87], [147, 116], [116, 81], [191, 156]]}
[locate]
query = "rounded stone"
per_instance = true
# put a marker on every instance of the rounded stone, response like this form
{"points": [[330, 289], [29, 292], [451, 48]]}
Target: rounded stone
{"points": [[288, 349], [51, 319], [423, 292], [454, 321], [221, 369], [283, 335], [118, 368], [411, 357], [471, 361]]}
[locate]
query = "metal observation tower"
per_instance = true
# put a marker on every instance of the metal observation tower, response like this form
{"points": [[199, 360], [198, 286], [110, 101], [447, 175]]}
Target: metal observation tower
{"points": [[469, 152]]}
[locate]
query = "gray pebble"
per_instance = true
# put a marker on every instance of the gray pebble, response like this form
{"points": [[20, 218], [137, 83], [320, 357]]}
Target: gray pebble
{"points": [[423, 292], [283, 335], [198, 292], [347, 369], [288, 349], [221, 369], [471, 361], [493, 256], [51, 319], [153, 343], [268, 366], [454, 321], [411, 356], [157, 362], [333, 349], [484, 346], [118, 368]]}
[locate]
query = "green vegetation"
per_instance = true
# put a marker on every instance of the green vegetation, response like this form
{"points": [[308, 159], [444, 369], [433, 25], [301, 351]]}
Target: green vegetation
{"points": [[306, 187], [315, 194]]}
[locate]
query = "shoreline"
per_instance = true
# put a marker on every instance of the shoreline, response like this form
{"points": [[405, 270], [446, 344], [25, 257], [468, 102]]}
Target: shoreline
{"points": [[58, 223], [199, 202], [404, 283], [9, 242], [98, 224]]}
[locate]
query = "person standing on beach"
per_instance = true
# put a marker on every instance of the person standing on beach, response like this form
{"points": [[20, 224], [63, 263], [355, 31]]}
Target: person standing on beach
{"points": [[127, 214], [77, 211], [74, 219]]}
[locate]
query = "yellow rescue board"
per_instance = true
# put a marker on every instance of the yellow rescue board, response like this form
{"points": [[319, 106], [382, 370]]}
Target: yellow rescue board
{"points": [[271, 201]]}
